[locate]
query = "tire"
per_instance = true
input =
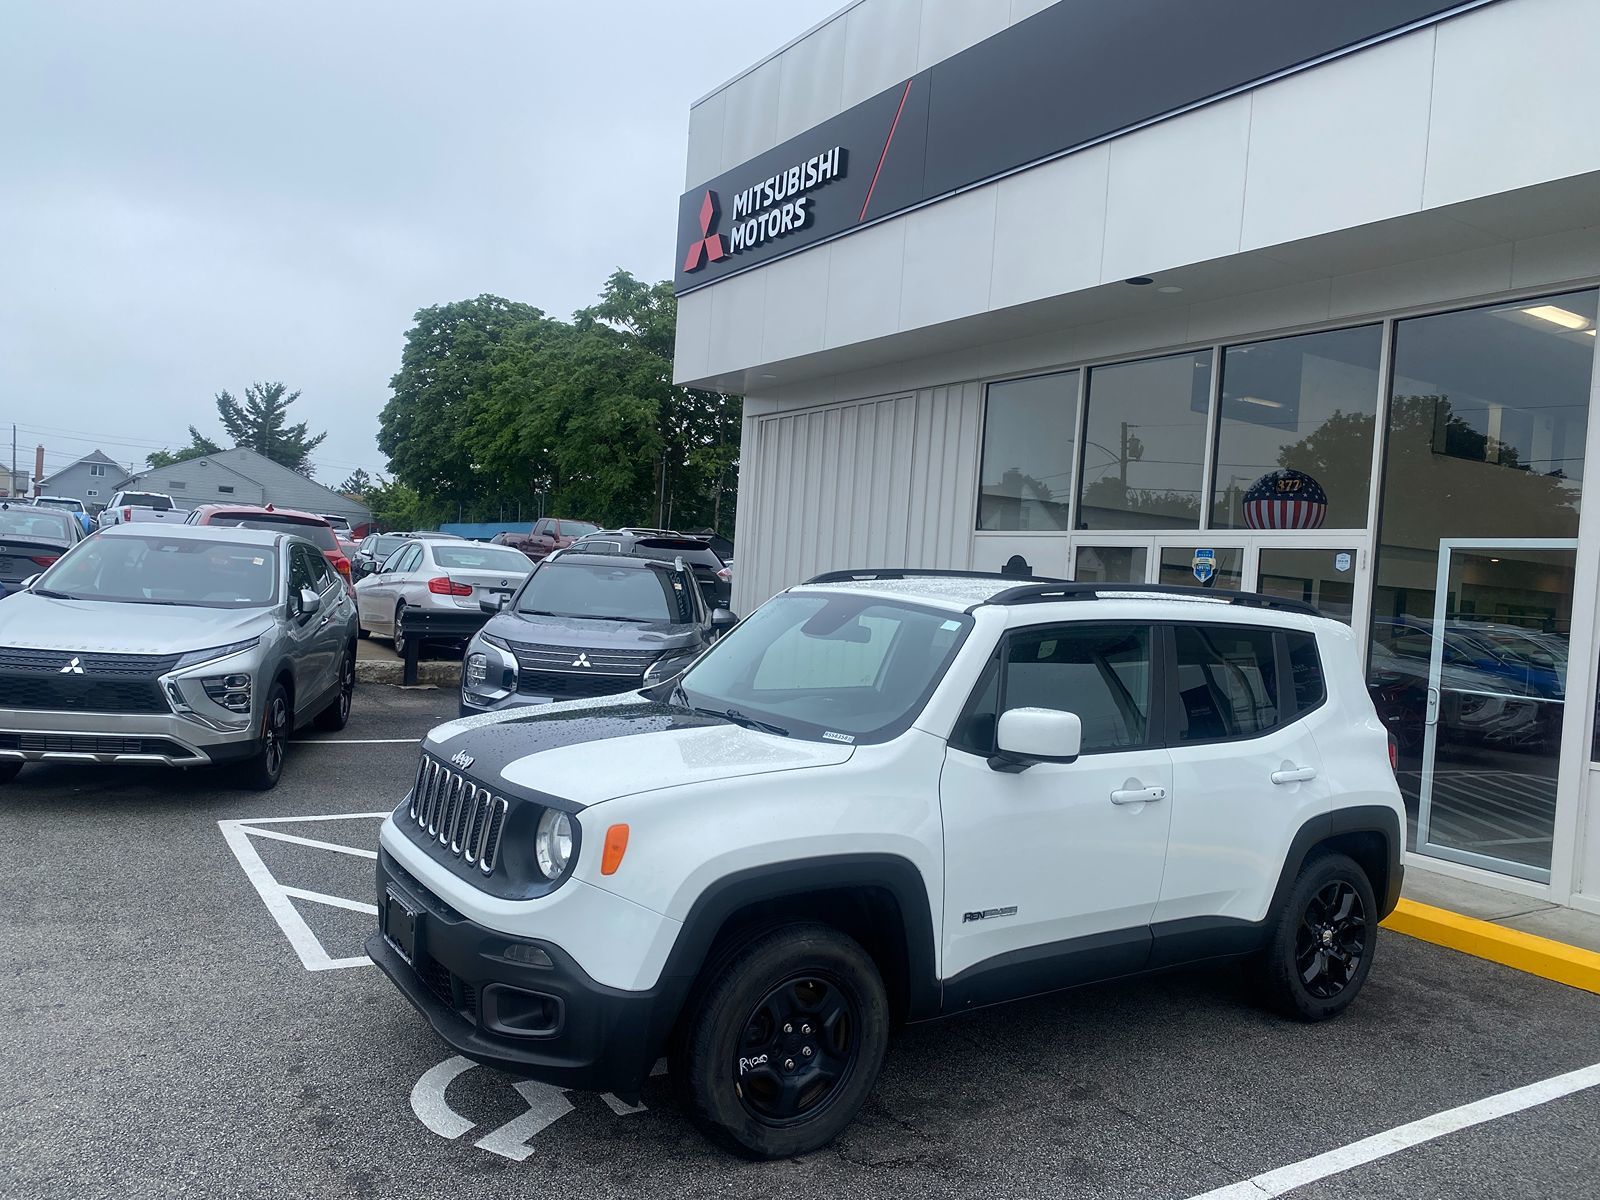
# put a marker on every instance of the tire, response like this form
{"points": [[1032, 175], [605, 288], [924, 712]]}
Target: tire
{"points": [[337, 714], [263, 771], [9, 771], [733, 1063], [1322, 941], [363, 634], [399, 627]]}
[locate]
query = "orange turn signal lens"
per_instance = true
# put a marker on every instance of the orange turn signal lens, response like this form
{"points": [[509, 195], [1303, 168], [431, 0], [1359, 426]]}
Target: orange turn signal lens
{"points": [[616, 847]]}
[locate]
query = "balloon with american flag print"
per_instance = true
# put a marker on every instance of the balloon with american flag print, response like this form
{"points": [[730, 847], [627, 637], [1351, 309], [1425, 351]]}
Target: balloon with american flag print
{"points": [[1285, 499]]}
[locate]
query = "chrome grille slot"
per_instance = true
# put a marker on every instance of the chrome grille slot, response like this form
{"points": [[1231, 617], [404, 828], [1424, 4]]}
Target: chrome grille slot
{"points": [[463, 816]]}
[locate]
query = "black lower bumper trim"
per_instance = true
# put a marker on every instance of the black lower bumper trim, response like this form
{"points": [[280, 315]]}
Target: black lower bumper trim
{"points": [[601, 1038]]}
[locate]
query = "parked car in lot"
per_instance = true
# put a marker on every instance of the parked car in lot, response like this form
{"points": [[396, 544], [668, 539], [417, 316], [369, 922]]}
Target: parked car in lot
{"points": [[589, 625], [713, 576], [32, 538], [313, 528], [888, 797], [447, 579], [183, 645], [124, 507], [374, 548], [544, 535], [71, 505]]}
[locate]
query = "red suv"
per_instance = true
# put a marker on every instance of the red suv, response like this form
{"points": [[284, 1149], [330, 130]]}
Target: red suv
{"points": [[548, 533], [253, 516]]}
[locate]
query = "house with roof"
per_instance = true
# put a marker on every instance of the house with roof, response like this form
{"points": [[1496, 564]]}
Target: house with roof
{"points": [[91, 479], [241, 476]]}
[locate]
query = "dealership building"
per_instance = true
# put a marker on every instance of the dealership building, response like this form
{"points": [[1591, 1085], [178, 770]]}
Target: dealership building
{"points": [[1281, 295]]}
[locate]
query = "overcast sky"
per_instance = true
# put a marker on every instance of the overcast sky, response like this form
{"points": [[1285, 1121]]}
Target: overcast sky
{"points": [[196, 194]]}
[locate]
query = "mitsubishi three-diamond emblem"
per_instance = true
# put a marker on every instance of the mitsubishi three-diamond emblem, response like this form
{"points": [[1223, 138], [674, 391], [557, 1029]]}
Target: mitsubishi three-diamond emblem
{"points": [[72, 668], [708, 247], [582, 660]]}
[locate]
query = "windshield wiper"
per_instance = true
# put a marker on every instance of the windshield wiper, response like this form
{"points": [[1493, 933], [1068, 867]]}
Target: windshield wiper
{"points": [[739, 718], [39, 591]]}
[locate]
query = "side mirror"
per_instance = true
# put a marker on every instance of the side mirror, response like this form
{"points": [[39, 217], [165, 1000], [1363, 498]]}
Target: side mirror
{"points": [[722, 620], [310, 601], [495, 604], [1025, 736]]}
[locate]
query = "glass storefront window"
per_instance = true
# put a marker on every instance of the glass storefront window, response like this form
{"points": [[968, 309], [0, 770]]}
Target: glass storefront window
{"points": [[1324, 578], [1029, 431], [1110, 564], [1485, 440], [1221, 566], [1306, 404], [1144, 446]]}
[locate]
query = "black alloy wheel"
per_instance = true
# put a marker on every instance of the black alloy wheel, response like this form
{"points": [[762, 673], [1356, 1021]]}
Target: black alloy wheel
{"points": [[799, 1047], [1322, 940], [1332, 940], [337, 714], [265, 767]]}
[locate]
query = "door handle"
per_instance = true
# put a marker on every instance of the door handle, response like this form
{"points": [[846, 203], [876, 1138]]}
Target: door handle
{"points": [[1138, 795], [1433, 706], [1298, 775]]}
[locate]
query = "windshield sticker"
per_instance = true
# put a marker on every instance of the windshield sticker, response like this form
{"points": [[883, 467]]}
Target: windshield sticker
{"points": [[950, 626], [848, 739]]}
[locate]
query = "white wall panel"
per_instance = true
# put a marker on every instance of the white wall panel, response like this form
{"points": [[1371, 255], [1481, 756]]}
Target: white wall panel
{"points": [[1021, 10], [738, 317], [950, 26], [1341, 145], [693, 347], [705, 141], [1514, 95], [796, 306], [864, 283], [881, 482], [949, 255], [1176, 192], [810, 80], [1433, 280], [750, 117], [880, 47], [1050, 229]]}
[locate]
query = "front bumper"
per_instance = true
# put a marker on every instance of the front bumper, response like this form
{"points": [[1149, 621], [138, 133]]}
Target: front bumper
{"points": [[491, 999], [29, 735]]}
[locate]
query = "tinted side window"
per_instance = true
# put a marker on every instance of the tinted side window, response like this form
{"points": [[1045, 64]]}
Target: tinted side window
{"points": [[1227, 681], [302, 574], [1305, 668]]}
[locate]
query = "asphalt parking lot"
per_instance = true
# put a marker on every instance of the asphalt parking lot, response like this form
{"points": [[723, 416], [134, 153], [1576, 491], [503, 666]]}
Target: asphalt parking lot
{"points": [[188, 1013]]}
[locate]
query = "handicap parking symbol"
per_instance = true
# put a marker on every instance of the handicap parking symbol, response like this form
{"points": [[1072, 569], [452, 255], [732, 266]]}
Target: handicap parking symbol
{"points": [[1205, 565]]}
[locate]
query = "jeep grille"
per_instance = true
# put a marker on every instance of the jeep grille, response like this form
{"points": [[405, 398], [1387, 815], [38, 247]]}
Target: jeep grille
{"points": [[464, 817]]}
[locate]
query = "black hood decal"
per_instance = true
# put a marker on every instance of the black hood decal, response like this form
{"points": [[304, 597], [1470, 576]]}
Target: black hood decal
{"points": [[493, 744]]}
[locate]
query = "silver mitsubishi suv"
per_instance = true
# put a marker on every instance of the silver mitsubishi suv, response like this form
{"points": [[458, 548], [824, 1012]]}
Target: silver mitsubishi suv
{"points": [[183, 645]]}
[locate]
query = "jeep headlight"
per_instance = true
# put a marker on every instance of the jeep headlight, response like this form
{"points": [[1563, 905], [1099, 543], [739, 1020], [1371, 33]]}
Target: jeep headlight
{"points": [[552, 845]]}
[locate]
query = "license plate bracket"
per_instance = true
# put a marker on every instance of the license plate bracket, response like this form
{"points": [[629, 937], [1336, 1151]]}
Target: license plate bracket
{"points": [[402, 925]]}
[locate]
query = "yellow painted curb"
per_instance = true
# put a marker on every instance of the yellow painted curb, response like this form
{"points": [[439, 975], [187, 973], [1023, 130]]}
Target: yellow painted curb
{"points": [[1548, 959]]}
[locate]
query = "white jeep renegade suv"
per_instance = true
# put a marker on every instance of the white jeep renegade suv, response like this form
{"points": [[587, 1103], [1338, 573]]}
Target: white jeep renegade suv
{"points": [[890, 796]]}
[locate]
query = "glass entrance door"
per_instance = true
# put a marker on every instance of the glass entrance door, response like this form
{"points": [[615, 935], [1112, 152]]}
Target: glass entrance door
{"points": [[1497, 676], [1322, 575]]}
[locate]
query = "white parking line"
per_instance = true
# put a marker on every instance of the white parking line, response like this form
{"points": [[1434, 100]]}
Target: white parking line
{"points": [[358, 742], [314, 843], [1403, 1137]]}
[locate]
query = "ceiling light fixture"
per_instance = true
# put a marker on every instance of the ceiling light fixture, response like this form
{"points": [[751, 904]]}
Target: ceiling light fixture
{"points": [[1139, 281], [1557, 315], [1170, 289], [1264, 403]]}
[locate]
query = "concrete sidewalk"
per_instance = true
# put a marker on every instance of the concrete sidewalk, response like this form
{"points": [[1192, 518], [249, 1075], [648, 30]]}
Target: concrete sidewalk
{"points": [[376, 662], [1508, 909]]}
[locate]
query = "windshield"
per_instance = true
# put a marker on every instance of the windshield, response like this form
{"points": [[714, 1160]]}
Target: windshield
{"points": [[53, 502], [312, 531], [51, 525], [471, 557], [605, 592], [576, 529], [836, 668], [386, 545], [146, 500], [150, 569]]}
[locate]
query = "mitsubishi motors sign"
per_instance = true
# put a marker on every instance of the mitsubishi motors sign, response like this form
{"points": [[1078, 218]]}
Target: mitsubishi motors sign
{"points": [[778, 205]]}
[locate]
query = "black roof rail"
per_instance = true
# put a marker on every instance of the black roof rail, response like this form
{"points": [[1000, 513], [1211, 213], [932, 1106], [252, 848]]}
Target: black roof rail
{"points": [[868, 574], [1045, 592]]}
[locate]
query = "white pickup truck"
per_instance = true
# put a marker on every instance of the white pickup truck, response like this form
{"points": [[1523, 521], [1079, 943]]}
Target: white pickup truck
{"points": [[124, 507]]}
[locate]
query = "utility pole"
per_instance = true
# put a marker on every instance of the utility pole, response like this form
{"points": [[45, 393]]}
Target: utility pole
{"points": [[11, 484]]}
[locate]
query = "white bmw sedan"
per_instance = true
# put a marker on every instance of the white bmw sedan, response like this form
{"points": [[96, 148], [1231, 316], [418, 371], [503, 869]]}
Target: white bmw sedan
{"points": [[441, 585]]}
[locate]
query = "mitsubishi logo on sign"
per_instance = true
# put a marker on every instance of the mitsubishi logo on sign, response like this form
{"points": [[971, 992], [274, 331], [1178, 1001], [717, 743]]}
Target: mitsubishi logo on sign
{"points": [[710, 247], [72, 668], [582, 661]]}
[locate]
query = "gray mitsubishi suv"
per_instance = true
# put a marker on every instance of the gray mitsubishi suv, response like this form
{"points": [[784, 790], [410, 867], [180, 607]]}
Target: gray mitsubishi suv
{"points": [[186, 645]]}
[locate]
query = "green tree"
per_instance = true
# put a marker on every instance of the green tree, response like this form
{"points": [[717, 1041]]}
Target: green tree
{"points": [[260, 423], [358, 483], [199, 446], [396, 506]]}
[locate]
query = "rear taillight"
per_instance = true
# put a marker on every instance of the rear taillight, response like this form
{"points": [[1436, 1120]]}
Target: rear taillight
{"points": [[44, 560], [445, 586], [127, 514], [342, 565], [1394, 754], [724, 574]]}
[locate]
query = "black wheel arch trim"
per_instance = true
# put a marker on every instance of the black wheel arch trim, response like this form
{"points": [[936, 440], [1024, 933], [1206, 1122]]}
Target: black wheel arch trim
{"points": [[724, 899], [1358, 819]]}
